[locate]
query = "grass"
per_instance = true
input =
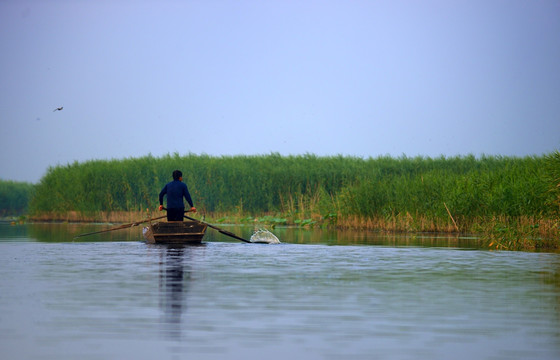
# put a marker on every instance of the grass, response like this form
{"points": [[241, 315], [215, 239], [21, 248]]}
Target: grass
{"points": [[513, 201], [15, 197]]}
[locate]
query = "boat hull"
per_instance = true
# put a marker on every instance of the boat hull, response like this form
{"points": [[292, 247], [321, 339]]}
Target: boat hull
{"points": [[175, 232]]}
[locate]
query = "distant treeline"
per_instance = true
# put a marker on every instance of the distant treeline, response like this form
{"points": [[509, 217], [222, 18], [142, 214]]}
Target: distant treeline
{"points": [[14, 197], [465, 187]]}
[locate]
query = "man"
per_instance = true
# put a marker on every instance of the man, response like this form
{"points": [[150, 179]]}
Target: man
{"points": [[175, 191]]}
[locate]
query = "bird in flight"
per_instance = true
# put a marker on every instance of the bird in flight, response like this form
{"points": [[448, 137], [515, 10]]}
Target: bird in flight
{"points": [[60, 108]]}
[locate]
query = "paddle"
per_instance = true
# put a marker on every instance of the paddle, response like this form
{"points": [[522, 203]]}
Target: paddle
{"points": [[125, 226], [225, 232]]}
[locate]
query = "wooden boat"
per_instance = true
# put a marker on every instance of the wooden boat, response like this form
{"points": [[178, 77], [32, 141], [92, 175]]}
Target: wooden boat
{"points": [[175, 232]]}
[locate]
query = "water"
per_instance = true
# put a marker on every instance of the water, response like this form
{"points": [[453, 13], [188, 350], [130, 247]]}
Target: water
{"points": [[111, 296]]}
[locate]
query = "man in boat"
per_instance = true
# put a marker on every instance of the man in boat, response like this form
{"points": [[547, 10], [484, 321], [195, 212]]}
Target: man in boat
{"points": [[176, 190]]}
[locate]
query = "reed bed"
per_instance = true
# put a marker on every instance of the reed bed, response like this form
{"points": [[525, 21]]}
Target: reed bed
{"points": [[460, 194], [97, 216], [15, 197]]}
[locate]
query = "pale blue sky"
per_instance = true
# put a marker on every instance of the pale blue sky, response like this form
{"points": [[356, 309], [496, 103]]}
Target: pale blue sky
{"points": [[358, 78]]}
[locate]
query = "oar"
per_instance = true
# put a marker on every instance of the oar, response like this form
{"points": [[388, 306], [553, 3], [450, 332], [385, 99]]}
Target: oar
{"points": [[125, 226], [225, 232]]}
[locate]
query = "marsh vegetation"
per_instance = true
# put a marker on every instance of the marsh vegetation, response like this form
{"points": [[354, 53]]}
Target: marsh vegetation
{"points": [[14, 197], [514, 201]]}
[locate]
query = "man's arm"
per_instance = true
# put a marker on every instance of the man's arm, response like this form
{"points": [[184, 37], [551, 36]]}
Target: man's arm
{"points": [[161, 193], [187, 196]]}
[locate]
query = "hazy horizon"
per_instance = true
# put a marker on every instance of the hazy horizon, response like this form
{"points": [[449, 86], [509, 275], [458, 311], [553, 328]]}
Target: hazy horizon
{"points": [[360, 78]]}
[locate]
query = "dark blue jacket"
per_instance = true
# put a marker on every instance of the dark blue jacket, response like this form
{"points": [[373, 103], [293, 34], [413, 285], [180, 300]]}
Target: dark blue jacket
{"points": [[175, 191]]}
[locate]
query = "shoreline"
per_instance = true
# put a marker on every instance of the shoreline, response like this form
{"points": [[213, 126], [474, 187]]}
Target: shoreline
{"points": [[498, 232]]}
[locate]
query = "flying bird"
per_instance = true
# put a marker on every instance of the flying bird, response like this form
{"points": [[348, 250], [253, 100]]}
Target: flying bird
{"points": [[60, 108]]}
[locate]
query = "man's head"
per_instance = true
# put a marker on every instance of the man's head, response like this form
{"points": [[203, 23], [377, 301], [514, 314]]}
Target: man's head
{"points": [[177, 175]]}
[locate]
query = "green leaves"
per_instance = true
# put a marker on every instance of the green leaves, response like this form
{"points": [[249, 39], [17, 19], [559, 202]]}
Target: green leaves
{"points": [[14, 197], [310, 187], [552, 167]]}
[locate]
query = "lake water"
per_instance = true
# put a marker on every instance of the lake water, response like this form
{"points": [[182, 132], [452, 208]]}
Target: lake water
{"points": [[318, 295]]}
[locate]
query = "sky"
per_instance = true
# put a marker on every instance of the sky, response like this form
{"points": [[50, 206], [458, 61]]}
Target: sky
{"points": [[354, 78]]}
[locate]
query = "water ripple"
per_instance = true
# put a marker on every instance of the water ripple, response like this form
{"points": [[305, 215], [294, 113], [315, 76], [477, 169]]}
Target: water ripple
{"points": [[225, 300]]}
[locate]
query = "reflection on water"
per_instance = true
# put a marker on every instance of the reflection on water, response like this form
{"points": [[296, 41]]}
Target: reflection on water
{"points": [[174, 278], [66, 232], [172, 289], [292, 235], [355, 237], [311, 297]]}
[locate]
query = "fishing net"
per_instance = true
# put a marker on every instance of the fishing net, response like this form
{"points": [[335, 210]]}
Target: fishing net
{"points": [[264, 236]]}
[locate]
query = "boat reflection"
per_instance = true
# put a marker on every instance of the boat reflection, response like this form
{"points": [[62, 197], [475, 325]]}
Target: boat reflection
{"points": [[175, 274]]}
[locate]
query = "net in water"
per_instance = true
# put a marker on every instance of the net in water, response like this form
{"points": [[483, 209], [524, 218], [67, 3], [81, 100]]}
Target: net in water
{"points": [[264, 236]]}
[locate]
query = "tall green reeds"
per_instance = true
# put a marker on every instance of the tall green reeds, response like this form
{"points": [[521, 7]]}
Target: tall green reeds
{"points": [[419, 193], [552, 163], [487, 187], [14, 197], [252, 184]]}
